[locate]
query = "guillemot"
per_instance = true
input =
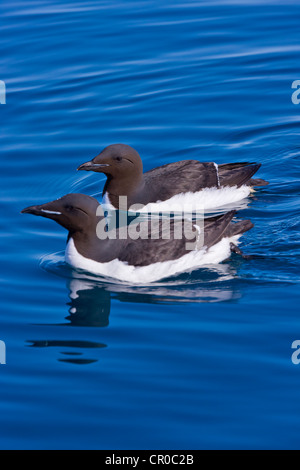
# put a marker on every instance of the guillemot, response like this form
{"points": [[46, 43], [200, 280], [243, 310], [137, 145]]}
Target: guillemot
{"points": [[207, 183], [139, 260]]}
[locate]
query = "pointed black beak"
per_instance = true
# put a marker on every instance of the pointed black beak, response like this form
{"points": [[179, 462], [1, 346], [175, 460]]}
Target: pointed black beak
{"points": [[45, 210], [91, 166], [31, 210]]}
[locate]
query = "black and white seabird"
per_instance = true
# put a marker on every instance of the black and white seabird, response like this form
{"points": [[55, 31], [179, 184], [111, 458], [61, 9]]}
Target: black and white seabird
{"points": [[140, 260], [182, 182]]}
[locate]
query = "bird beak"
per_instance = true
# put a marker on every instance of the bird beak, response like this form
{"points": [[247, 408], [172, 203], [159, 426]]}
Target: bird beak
{"points": [[31, 210], [91, 166], [49, 210]]}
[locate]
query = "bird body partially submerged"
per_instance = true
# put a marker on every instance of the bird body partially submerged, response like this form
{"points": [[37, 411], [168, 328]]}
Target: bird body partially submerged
{"points": [[124, 170], [138, 259]]}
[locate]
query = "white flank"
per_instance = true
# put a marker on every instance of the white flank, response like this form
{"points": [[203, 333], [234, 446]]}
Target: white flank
{"points": [[207, 199], [145, 274]]}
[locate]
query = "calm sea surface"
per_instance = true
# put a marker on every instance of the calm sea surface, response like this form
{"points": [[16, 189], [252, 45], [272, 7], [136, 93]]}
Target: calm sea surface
{"points": [[197, 361]]}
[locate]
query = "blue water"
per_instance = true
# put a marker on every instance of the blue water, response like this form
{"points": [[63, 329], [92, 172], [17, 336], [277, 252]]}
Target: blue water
{"points": [[198, 361]]}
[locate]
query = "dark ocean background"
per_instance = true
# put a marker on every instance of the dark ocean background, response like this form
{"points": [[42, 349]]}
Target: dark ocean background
{"points": [[199, 361]]}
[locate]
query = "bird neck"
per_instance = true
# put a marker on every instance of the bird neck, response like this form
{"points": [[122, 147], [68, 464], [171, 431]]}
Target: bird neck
{"points": [[89, 245], [129, 186]]}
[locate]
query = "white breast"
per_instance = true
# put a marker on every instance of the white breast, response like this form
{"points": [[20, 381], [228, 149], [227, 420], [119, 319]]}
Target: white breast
{"points": [[107, 205]]}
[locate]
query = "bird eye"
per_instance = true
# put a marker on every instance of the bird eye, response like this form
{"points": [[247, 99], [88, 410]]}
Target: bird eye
{"points": [[119, 159], [69, 208]]}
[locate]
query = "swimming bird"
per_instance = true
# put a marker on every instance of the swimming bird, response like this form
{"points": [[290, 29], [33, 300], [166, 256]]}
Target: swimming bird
{"points": [[137, 260], [199, 181]]}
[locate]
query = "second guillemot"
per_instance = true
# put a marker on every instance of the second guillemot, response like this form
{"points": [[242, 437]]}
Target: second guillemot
{"points": [[139, 260], [183, 182]]}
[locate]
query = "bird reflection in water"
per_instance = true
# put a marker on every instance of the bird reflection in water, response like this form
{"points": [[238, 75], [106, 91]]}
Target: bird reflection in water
{"points": [[89, 306], [90, 302]]}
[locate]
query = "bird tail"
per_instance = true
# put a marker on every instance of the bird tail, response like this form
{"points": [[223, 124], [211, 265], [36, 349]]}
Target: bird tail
{"points": [[216, 228], [238, 174], [258, 182], [238, 228]]}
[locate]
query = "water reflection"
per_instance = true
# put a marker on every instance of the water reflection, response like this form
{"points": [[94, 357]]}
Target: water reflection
{"points": [[74, 345], [89, 304], [90, 295], [90, 299]]}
